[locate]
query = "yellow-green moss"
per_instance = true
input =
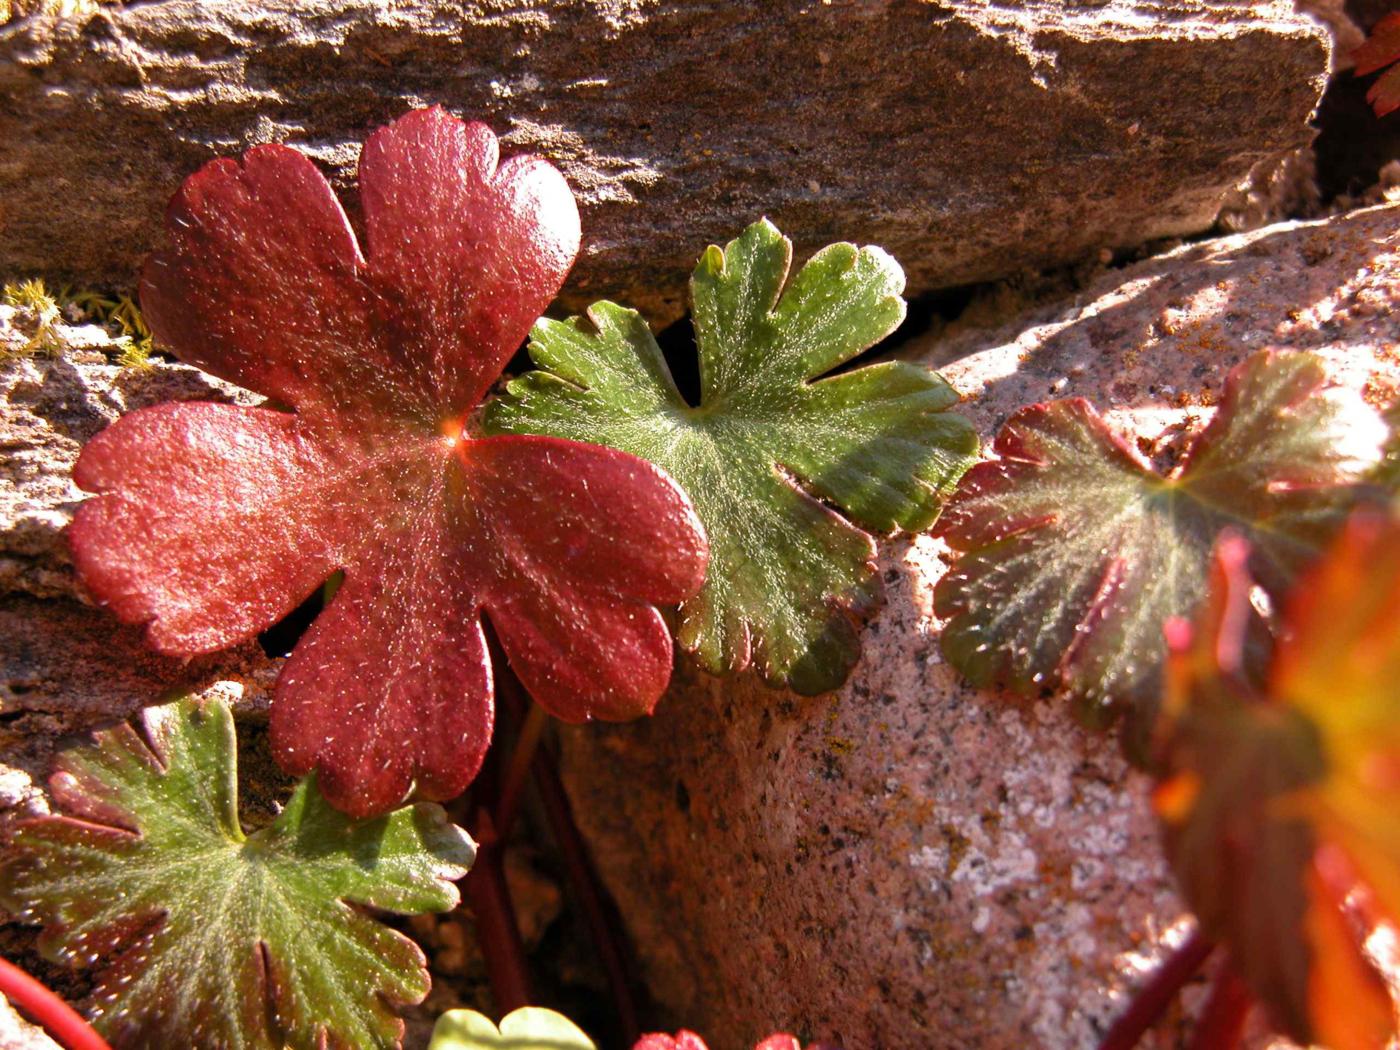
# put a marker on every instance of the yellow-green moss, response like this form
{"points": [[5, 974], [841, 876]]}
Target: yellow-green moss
{"points": [[39, 315], [42, 312]]}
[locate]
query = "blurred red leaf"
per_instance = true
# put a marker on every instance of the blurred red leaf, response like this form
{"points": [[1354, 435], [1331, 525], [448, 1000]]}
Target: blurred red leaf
{"points": [[1381, 49], [1282, 792], [211, 522], [682, 1040], [686, 1040]]}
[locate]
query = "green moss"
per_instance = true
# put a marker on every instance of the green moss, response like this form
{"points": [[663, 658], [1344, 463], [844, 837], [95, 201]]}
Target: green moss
{"points": [[122, 318], [39, 316], [41, 313]]}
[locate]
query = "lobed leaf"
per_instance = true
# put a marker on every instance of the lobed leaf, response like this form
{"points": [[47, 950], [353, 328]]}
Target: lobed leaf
{"points": [[204, 935], [1280, 795], [211, 522], [772, 448], [1381, 49], [1075, 552], [528, 1028]]}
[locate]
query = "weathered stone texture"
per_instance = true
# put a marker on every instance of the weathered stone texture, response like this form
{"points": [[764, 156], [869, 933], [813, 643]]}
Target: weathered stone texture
{"points": [[912, 863], [971, 139], [49, 406]]}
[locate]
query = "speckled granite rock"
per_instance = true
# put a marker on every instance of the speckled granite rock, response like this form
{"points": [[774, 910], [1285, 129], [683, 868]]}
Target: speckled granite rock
{"points": [[912, 863], [972, 139]]}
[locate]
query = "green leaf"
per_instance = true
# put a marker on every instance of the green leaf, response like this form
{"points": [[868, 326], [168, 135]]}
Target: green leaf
{"points": [[206, 936], [771, 449], [1076, 552], [529, 1028]]}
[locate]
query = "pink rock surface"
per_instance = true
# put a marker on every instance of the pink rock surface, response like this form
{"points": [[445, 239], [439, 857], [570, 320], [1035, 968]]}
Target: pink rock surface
{"points": [[911, 862], [18, 1034]]}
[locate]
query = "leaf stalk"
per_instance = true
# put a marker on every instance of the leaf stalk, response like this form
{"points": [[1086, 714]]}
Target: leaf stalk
{"points": [[1153, 998], [43, 1005]]}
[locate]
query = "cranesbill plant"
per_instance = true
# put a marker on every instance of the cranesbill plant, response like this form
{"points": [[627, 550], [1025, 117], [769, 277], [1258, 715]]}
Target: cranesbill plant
{"points": [[1279, 788], [1076, 552], [212, 521], [202, 934], [1381, 49], [533, 1028], [775, 449]]}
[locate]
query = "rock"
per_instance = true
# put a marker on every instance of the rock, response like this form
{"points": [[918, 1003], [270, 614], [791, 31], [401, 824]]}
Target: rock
{"points": [[68, 660], [971, 140], [911, 862], [18, 1034], [1341, 21]]}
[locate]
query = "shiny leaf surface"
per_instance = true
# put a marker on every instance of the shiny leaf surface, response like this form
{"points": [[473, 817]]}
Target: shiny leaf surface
{"points": [[1075, 552], [528, 1028], [211, 522]]}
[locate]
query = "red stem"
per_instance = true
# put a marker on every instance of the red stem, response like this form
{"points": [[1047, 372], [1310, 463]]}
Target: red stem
{"points": [[1222, 1022], [527, 742], [578, 866], [588, 891], [1153, 998], [497, 932], [57, 1018]]}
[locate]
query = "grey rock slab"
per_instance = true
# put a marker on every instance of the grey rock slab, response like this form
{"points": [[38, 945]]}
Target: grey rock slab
{"points": [[970, 139], [911, 862], [18, 1034]]}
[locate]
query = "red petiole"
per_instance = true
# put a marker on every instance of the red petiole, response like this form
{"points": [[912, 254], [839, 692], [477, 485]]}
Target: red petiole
{"points": [[59, 1019], [1222, 1021], [1153, 998]]}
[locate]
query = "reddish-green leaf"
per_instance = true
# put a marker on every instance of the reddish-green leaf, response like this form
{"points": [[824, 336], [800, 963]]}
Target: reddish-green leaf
{"points": [[213, 521], [203, 935], [1076, 552], [1281, 790], [1381, 49]]}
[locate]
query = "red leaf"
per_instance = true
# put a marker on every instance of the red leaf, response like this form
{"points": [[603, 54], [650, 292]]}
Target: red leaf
{"points": [[687, 1040], [682, 1040], [212, 521], [1381, 49]]}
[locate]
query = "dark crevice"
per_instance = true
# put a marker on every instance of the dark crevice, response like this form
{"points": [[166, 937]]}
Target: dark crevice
{"points": [[1352, 143], [677, 342], [281, 638]]}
